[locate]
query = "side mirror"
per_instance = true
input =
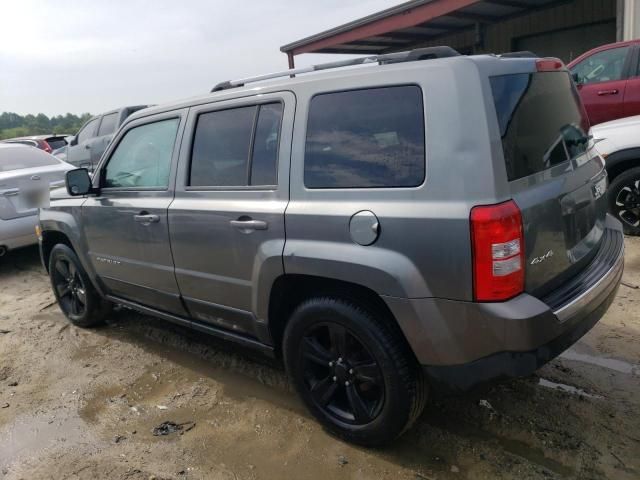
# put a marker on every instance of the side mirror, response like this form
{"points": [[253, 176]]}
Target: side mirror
{"points": [[78, 182], [73, 140]]}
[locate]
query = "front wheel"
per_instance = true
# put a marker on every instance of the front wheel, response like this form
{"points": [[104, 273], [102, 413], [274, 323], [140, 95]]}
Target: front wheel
{"points": [[353, 371], [624, 200], [76, 296]]}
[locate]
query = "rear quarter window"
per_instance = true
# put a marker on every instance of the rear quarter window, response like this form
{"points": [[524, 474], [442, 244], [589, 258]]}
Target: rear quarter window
{"points": [[365, 139]]}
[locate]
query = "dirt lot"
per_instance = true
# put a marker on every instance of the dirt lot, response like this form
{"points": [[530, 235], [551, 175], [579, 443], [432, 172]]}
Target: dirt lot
{"points": [[83, 403]]}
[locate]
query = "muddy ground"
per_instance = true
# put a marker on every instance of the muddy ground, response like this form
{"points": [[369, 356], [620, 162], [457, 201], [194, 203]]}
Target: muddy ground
{"points": [[80, 403]]}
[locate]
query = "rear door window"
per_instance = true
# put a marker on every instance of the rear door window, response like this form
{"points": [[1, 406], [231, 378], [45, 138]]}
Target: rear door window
{"points": [[541, 119], [236, 147], [108, 124], [366, 138]]}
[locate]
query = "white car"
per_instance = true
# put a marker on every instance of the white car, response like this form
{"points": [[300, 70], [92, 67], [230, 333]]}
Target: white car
{"points": [[618, 142], [20, 167]]}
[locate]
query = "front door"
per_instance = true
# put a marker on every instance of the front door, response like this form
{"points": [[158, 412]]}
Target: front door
{"points": [[126, 226], [632, 92], [79, 154], [227, 220], [602, 79]]}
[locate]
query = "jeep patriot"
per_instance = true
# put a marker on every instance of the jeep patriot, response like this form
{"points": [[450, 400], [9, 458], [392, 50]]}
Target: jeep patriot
{"points": [[424, 220]]}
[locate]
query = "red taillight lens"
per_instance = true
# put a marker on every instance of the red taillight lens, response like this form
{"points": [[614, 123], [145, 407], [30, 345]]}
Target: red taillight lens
{"points": [[498, 251], [549, 64], [44, 145]]}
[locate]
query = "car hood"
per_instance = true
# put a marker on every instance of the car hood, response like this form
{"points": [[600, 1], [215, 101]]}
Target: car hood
{"points": [[617, 135]]}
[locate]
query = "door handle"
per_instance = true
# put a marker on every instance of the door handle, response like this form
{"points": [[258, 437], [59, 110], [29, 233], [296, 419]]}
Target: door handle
{"points": [[146, 218], [249, 225], [87, 146], [608, 92]]}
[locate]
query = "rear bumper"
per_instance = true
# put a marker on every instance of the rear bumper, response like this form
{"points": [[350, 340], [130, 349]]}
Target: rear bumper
{"points": [[461, 344], [18, 232]]}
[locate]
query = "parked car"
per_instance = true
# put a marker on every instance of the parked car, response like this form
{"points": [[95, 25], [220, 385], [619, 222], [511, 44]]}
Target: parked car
{"points": [[419, 222], [21, 164], [87, 146], [608, 79], [618, 142], [48, 143]]}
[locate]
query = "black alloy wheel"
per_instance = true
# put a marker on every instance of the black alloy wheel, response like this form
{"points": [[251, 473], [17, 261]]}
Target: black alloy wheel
{"points": [[342, 376], [70, 288], [351, 365], [78, 298], [624, 200]]}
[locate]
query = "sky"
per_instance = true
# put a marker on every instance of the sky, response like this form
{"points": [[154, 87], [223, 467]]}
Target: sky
{"points": [[60, 56]]}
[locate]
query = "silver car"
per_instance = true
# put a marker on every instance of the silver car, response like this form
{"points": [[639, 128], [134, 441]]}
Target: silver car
{"points": [[21, 165]]}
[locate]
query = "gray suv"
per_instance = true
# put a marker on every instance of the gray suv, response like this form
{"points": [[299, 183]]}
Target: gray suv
{"points": [[428, 221], [87, 146]]}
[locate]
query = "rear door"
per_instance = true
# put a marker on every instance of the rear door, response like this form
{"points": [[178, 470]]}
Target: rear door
{"points": [[556, 178], [602, 80], [227, 220], [126, 227]]}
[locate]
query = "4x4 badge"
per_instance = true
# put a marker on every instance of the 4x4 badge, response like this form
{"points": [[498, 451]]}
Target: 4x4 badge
{"points": [[542, 258]]}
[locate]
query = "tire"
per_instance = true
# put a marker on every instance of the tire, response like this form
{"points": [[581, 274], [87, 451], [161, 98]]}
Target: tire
{"points": [[76, 295], [353, 371], [623, 196]]}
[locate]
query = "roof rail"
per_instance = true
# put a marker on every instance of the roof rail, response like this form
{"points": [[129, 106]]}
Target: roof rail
{"points": [[408, 56]]}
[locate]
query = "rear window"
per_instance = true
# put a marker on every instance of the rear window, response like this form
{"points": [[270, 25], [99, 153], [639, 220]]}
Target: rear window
{"points": [[56, 142], [542, 121], [17, 158], [366, 138]]}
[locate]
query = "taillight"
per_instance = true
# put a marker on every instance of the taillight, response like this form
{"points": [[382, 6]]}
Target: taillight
{"points": [[549, 64], [498, 251], [44, 145]]}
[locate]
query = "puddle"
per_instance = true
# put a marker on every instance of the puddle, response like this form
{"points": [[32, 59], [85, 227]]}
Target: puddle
{"points": [[515, 447], [567, 388], [29, 436], [610, 363]]}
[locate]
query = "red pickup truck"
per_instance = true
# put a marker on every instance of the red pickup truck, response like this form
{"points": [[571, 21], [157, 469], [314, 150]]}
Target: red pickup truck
{"points": [[608, 79]]}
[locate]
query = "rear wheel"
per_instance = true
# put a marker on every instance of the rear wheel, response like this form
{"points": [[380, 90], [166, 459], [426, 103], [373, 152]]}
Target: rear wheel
{"points": [[353, 371], [78, 299], [624, 200]]}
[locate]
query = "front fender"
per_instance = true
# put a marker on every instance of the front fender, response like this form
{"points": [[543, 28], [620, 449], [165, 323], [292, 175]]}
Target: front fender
{"points": [[65, 217]]}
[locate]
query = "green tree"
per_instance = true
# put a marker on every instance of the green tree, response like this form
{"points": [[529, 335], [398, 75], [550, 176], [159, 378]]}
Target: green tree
{"points": [[13, 125]]}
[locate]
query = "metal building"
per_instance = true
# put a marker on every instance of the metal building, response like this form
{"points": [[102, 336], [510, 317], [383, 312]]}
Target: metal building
{"points": [[558, 28]]}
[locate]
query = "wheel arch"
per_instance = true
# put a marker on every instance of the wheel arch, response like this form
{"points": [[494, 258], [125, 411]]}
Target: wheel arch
{"points": [[622, 160], [290, 290]]}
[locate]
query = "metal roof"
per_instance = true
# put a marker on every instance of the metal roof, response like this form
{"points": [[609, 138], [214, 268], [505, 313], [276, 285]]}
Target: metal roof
{"points": [[413, 23]]}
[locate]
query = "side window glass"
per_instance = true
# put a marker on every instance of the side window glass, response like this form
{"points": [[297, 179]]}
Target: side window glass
{"points": [[88, 131], [602, 66], [366, 138], [108, 124], [223, 155], [221, 145], [143, 157], [264, 165]]}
